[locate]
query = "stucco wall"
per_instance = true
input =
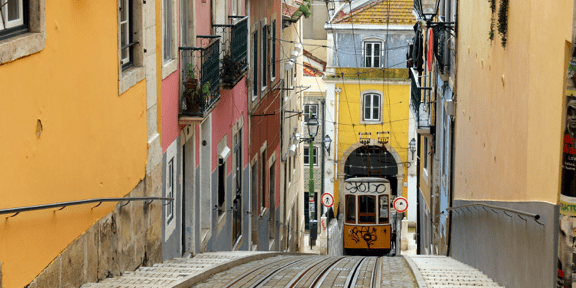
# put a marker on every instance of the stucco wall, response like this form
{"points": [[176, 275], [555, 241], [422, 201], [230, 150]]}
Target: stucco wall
{"points": [[515, 252], [93, 141], [349, 44], [510, 102]]}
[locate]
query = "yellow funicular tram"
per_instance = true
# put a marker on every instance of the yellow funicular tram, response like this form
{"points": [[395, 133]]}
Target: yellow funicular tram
{"points": [[367, 223]]}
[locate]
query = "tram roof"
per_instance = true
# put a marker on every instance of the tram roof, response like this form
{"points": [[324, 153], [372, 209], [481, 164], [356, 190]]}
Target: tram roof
{"points": [[367, 179]]}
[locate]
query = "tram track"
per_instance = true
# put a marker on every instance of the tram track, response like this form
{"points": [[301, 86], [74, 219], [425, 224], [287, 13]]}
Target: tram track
{"points": [[313, 272]]}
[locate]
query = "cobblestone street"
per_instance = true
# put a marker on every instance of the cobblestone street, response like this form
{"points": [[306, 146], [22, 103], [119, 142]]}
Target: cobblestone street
{"points": [[262, 269]]}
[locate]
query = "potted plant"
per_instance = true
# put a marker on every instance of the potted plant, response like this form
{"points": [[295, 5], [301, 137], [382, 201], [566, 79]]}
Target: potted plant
{"points": [[206, 91]]}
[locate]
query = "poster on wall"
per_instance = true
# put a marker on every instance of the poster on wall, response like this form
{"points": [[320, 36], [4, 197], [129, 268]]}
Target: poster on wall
{"points": [[566, 269]]}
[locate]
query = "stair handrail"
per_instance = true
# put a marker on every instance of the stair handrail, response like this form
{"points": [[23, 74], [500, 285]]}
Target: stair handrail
{"points": [[63, 205], [519, 212]]}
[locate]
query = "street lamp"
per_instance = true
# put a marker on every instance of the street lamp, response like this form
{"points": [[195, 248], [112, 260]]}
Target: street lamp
{"points": [[412, 146], [312, 126], [327, 141]]}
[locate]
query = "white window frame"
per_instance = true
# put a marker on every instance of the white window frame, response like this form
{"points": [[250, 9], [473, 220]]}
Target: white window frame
{"points": [[307, 154], [135, 73], [27, 43], [4, 10], [264, 29], [373, 56], [123, 10], [169, 27], [307, 113], [370, 118], [273, 57]]}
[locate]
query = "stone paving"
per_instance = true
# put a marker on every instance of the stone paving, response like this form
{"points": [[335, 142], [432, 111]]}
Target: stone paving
{"points": [[181, 272], [396, 273], [442, 271]]}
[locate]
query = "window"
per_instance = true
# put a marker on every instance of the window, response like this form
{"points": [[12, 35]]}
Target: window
{"points": [[170, 191], [289, 169], [126, 32], [273, 52], [21, 17], [263, 182], [255, 64], [272, 202], [425, 153], [237, 201], [221, 188], [366, 209], [13, 17], [310, 109], [350, 209], [167, 27], [264, 56], [372, 53], [383, 211], [371, 105], [307, 156]]}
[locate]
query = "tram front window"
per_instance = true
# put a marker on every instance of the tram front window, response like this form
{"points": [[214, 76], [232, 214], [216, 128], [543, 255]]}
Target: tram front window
{"points": [[350, 209], [367, 209], [383, 215]]}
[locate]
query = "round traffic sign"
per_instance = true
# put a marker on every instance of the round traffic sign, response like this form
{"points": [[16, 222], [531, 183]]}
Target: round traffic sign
{"points": [[327, 200], [401, 204]]}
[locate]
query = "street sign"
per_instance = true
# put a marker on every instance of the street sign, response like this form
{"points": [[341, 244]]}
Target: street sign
{"points": [[401, 204], [327, 200]]}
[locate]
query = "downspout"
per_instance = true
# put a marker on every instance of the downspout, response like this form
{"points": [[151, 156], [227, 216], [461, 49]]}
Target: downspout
{"points": [[418, 226], [452, 137], [336, 126], [323, 154]]}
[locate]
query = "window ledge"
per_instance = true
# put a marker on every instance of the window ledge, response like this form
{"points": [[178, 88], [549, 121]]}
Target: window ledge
{"points": [[370, 122], [129, 78], [169, 67], [21, 46]]}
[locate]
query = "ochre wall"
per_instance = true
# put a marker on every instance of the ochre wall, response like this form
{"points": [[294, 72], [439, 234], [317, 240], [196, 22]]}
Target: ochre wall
{"points": [[395, 116], [510, 102], [93, 142]]}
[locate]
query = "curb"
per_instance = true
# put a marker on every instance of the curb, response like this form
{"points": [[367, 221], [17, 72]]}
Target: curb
{"points": [[415, 271]]}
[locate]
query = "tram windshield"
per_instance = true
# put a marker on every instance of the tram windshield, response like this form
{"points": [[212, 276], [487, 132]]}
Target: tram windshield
{"points": [[350, 209], [367, 209]]}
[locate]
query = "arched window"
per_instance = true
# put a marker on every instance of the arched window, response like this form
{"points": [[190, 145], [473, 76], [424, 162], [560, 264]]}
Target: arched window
{"points": [[371, 107]]}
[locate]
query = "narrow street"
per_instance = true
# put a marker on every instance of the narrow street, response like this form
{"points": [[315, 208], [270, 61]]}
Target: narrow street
{"points": [[270, 269]]}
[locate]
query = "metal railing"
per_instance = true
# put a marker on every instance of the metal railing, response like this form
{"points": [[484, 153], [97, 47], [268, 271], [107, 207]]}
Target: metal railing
{"points": [[504, 209], [234, 42], [200, 77], [63, 205]]}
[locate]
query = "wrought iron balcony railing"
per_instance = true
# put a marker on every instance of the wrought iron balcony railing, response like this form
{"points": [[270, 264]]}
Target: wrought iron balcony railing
{"points": [[200, 78], [234, 60]]}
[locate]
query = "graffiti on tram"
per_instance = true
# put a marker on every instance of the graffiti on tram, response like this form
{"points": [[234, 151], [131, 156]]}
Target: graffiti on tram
{"points": [[365, 187]]}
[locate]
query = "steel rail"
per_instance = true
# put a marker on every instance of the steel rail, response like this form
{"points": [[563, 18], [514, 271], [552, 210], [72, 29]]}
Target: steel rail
{"points": [[322, 276], [351, 282], [63, 205], [241, 277], [533, 215], [263, 280], [296, 280]]}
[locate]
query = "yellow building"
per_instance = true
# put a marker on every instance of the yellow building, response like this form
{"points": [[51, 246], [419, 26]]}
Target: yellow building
{"points": [[75, 126], [371, 140]]}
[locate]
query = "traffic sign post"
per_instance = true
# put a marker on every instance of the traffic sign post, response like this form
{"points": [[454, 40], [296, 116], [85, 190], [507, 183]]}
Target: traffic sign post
{"points": [[327, 200], [401, 204]]}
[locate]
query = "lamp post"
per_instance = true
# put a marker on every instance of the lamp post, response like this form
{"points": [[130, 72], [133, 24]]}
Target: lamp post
{"points": [[313, 126]]}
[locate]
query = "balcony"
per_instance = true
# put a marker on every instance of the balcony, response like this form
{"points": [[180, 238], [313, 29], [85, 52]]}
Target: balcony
{"points": [[200, 89], [234, 61]]}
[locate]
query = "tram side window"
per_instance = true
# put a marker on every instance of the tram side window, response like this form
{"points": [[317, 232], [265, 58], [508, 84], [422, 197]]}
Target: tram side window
{"points": [[350, 209], [367, 209], [383, 211]]}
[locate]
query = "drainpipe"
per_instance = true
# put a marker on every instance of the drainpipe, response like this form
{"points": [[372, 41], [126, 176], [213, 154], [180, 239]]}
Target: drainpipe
{"points": [[418, 226], [452, 137], [323, 155]]}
